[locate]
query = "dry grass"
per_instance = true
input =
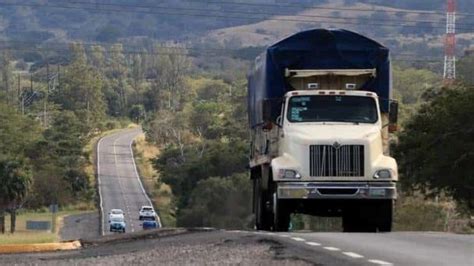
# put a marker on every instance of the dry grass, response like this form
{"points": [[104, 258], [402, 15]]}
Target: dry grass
{"points": [[23, 236], [160, 193], [28, 238], [268, 31]]}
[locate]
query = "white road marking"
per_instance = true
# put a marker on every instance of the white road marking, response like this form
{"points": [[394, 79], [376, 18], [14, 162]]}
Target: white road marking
{"points": [[284, 235], [353, 255], [380, 262], [313, 244], [124, 197], [299, 239], [136, 172], [100, 190], [332, 248]]}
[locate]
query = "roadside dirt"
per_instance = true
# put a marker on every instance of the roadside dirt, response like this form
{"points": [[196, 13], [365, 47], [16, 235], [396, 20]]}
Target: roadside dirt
{"points": [[81, 226], [166, 247]]}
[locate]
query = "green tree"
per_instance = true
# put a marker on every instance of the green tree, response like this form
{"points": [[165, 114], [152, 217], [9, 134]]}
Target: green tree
{"points": [[117, 71], [81, 91], [410, 83], [58, 160], [6, 78], [137, 113], [465, 69], [435, 151], [97, 57], [221, 202], [169, 68], [17, 132], [214, 158], [137, 75], [15, 177], [17, 135]]}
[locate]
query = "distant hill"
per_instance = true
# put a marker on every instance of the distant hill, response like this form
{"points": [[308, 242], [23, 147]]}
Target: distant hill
{"points": [[221, 24], [108, 21], [406, 31]]}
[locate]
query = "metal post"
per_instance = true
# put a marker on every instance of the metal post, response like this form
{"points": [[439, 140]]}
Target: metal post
{"points": [[450, 43]]}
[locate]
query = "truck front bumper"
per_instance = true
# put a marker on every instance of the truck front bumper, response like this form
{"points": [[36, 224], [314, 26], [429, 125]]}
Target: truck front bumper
{"points": [[337, 190]]}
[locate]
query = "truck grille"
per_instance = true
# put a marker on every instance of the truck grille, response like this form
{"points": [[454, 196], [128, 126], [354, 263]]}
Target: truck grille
{"points": [[336, 160]]}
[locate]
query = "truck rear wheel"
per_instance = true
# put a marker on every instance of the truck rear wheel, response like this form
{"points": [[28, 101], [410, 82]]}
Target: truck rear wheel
{"points": [[262, 216]]}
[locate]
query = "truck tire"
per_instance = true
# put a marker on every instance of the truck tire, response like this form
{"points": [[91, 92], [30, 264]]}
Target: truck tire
{"points": [[262, 219], [385, 216], [281, 215], [359, 218]]}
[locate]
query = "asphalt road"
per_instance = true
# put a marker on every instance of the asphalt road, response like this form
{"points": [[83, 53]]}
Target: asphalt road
{"points": [[80, 226], [397, 248], [220, 247], [119, 184]]}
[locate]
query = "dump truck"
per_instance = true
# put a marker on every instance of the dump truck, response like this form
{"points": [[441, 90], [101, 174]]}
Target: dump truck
{"points": [[320, 118]]}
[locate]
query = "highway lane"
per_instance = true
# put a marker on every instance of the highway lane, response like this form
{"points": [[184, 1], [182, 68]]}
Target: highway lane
{"points": [[119, 183], [397, 248], [214, 246]]}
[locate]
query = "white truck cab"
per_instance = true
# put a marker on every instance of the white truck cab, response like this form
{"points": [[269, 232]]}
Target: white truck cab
{"points": [[326, 154]]}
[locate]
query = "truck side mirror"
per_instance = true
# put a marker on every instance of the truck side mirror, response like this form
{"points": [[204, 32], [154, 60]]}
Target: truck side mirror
{"points": [[393, 117]]}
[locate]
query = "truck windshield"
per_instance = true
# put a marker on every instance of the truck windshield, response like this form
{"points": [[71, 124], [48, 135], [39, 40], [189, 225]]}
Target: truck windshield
{"points": [[328, 108]]}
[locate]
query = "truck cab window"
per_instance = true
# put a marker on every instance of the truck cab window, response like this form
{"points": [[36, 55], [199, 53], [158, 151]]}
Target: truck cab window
{"points": [[354, 109]]}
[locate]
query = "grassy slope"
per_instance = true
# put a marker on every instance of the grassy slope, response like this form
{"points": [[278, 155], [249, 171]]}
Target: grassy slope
{"points": [[269, 31], [23, 236], [160, 194]]}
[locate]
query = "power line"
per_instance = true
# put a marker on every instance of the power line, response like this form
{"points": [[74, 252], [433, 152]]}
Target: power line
{"points": [[166, 45], [140, 49], [435, 12], [219, 16], [186, 52], [245, 12]]}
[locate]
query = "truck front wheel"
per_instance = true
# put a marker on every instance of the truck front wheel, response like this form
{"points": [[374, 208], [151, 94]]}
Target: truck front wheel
{"points": [[369, 216], [281, 215], [384, 216]]}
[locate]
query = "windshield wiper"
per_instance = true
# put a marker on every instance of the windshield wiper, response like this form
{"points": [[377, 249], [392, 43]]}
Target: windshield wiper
{"points": [[344, 121]]}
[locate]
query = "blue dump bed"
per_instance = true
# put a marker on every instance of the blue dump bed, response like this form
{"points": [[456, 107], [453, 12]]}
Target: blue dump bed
{"points": [[316, 49]]}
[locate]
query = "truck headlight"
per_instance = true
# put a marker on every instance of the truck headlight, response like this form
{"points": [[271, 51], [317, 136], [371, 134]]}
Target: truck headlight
{"points": [[383, 174], [288, 174]]}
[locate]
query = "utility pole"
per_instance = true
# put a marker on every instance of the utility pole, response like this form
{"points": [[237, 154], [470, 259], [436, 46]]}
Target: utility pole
{"points": [[59, 75], [19, 88], [45, 104], [450, 43]]}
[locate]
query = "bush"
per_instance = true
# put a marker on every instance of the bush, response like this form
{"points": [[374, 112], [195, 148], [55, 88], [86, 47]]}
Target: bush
{"points": [[219, 202]]}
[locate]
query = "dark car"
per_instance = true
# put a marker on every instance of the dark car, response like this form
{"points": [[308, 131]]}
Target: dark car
{"points": [[150, 224], [117, 225]]}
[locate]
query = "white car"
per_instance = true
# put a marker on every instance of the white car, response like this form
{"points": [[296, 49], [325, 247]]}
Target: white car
{"points": [[147, 212], [116, 213]]}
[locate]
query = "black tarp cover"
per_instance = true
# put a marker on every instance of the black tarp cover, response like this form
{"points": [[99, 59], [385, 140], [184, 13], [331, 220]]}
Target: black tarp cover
{"points": [[316, 49]]}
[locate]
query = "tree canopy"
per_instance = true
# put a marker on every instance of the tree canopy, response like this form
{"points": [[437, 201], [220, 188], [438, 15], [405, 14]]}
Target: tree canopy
{"points": [[435, 151]]}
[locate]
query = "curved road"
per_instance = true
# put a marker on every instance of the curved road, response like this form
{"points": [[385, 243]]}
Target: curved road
{"points": [[119, 184]]}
